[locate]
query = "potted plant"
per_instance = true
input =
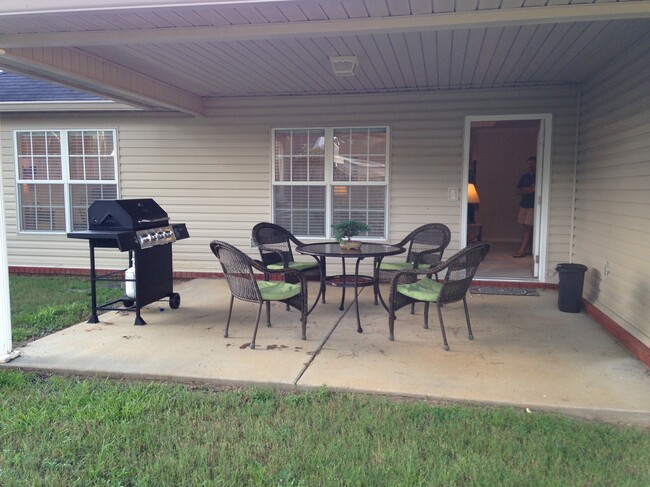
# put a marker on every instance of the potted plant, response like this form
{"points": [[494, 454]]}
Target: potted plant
{"points": [[345, 230]]}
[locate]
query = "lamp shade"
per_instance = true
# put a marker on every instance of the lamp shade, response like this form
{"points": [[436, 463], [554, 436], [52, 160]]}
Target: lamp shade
{"points": [[472, 194]]}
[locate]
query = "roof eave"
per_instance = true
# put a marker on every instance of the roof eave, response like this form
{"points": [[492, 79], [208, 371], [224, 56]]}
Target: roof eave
{"points": [[65, 106]]}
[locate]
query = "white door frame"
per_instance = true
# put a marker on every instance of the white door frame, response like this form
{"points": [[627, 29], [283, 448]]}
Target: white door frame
{"points": [[541, 198]]}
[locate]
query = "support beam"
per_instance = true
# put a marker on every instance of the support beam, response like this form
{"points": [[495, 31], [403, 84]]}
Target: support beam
{"points": [[342, 27], [88, 73], [20, 7], [6, 352]]}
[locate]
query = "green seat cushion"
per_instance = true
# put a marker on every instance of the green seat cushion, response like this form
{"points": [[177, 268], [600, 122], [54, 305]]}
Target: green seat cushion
{"points": [[395, 266], [298, 266], [423, 290], [277, 291]]}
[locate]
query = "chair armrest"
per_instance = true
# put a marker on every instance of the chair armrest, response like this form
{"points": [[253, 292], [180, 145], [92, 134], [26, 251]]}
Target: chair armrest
{"points": [[408, 238], [285, 260], [296, 242], [299, 243], [266, 271], [424, 253], [411, 275], [405, 240]]}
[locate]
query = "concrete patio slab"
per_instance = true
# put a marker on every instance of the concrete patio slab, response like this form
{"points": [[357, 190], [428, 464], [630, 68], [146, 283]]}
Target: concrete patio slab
{"points": [[526, 353], [184, 344]]}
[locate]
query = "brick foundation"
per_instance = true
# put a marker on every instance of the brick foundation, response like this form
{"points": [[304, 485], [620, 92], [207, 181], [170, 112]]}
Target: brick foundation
{"points": [[629, 341], [516, 284]]}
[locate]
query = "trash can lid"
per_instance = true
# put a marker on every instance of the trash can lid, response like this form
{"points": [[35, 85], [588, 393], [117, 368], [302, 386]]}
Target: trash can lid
{"points": [[567, 267]]}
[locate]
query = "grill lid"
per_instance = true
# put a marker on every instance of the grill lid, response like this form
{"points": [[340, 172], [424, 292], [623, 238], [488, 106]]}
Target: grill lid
{"points": [[126, 215]]}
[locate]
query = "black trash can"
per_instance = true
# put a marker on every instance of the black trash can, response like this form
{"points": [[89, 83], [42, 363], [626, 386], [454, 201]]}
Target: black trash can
{"points": [[572, 279]]}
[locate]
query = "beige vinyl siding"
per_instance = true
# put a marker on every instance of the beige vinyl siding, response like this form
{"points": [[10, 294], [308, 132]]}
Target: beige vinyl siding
{"points": [[613, 191], [214, 173], [427, 145], [36, 249]]}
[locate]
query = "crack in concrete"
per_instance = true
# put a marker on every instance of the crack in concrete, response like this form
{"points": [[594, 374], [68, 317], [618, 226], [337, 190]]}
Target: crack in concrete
{"points": [[322, 343]]}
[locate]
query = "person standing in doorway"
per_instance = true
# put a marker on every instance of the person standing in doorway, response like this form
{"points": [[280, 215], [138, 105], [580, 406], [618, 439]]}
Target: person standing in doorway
{"points": [[526, 217]]}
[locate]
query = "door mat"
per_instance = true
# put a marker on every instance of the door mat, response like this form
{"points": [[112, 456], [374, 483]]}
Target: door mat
{"points": [[504, 291]]}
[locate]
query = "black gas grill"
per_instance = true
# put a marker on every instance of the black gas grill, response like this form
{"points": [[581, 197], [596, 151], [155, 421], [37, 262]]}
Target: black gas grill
{"points": [[141, 228]]}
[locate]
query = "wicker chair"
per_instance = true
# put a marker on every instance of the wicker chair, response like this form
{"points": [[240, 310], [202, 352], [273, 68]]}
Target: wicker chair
{"points": [[415, 285], [239, 270], [274, 244], [426, 245]]}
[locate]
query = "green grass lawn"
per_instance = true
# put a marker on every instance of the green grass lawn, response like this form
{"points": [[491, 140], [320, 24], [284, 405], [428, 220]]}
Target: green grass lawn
{"points": [[65, 431], [44, 304]]}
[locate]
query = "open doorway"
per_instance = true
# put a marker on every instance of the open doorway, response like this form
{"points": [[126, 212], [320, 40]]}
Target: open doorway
{"points": [[497, 152]]}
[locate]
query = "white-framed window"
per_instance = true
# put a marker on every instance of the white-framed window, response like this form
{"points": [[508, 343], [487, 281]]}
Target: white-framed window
{"points": [[59, 173], [325, 175]]}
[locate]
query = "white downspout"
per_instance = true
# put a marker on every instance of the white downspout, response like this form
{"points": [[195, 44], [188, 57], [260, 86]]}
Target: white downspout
{"points": [[6, 352], [575, 176]]}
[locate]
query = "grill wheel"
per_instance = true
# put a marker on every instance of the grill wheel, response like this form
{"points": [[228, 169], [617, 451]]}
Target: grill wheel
{"points": [[174, 301]]}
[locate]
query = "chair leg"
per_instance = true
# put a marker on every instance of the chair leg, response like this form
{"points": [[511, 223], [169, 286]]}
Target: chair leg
{"points": [[303, 322], [469, 326], [412, 308], [232, 299], [442, 328], [343, 288], [268, 322], [391, 325], [375, 289], [268, 313], [323, 270], [257, 323], [426, 316]]}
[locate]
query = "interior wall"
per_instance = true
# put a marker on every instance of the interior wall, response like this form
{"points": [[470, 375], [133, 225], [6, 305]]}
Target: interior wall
{"points": [[501, 154]]}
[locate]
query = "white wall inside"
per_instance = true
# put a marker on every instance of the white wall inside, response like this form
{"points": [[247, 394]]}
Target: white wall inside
{"points": [[500, 152]]}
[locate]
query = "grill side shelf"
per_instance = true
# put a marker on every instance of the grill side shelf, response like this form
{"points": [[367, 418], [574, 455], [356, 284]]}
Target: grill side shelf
{"points": [[124, 241]]}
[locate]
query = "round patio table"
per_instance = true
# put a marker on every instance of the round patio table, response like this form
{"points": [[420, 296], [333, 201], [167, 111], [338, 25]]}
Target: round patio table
{"points": [[332, 249]]}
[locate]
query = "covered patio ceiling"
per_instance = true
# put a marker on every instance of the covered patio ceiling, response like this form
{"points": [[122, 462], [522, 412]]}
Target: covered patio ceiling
{"points": [[174, 54]]}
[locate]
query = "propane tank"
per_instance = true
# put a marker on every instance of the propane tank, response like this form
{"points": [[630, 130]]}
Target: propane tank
{"points": [[129, 282]]}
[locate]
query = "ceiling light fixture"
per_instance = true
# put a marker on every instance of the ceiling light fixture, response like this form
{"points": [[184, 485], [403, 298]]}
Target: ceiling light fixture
{"points": [[344, 65]]}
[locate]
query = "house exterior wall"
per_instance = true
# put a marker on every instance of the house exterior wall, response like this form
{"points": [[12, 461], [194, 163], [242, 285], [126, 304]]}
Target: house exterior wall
{"points": [[612, 191], [214, 173]]}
